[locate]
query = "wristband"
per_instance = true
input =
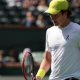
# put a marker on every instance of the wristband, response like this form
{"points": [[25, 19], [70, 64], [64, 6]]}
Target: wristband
{"points": [[41, 73]]}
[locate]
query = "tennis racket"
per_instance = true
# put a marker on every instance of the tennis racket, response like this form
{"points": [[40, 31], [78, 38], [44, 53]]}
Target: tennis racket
{"points": [[28, 65]]}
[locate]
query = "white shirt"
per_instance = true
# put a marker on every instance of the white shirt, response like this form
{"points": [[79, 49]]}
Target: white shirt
{"points": [[64, 45]]}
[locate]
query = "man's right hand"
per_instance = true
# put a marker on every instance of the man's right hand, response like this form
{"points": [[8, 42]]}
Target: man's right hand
{"points": [[37, 78]]}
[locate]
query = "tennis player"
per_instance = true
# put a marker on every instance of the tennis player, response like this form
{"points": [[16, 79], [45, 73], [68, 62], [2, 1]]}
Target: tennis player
{"points": [[62, 51]]}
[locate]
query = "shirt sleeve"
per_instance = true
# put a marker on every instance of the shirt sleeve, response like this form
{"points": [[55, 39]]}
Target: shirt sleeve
{"points": [[47, 48]]}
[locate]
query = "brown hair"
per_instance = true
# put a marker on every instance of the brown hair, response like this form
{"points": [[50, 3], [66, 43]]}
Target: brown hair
{"points": [[68, 12]]}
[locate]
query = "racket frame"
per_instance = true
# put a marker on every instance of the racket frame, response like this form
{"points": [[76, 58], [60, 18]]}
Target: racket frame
{"points": [[25, 55]]}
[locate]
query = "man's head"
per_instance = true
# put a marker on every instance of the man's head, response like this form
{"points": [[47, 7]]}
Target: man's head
{"points": [[58, 10]]}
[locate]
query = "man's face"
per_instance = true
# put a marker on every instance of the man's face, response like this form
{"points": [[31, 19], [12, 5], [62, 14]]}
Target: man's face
{"points": [[58, 19]]}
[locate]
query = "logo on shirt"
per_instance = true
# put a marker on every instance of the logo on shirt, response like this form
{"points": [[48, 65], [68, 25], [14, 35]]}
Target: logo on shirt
{"points": [[67, 37]]}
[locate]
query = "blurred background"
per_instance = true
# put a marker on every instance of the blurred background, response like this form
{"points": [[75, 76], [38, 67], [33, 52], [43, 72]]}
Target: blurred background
{"points": [[23, 25]]}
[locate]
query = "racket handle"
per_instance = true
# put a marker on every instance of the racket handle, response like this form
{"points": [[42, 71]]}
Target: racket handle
{"points": [[33, 78]]}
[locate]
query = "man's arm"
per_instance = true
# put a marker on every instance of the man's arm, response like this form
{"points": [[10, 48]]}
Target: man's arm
{"points": [[45, 66]]}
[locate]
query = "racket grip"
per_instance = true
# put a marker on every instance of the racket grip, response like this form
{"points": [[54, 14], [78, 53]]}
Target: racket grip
{"points": [[34, 78]]}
